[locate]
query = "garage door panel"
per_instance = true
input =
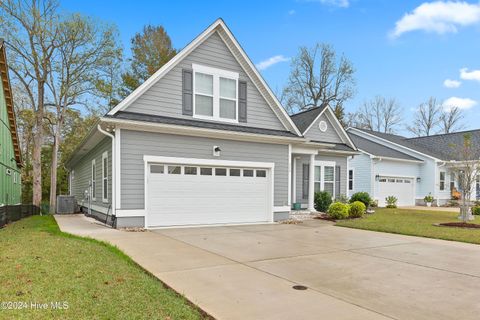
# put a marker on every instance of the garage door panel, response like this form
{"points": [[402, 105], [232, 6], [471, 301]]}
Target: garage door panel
{"points": [[179, 199], [400, 187]]}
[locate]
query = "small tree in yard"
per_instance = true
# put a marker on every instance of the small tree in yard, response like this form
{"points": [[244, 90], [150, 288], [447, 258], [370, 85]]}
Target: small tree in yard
{"points": [[466, 171]]}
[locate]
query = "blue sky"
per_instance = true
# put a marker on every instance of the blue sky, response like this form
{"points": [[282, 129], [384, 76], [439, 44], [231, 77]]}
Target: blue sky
{"points": [[401, 49]]}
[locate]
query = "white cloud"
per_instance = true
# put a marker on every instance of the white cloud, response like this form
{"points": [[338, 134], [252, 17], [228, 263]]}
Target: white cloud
{"points": [[262, 65], [439, 17], [333, 3], [448, 83], [469, 75], [291, 12], [461, 103]]}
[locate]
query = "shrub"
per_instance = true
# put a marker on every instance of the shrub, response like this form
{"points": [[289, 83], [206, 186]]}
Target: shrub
{"points": [[391, 201], [362, 197], [429, 198], [322, 201], [338, 211], [341, 198], [476, 210], [357, 209]]}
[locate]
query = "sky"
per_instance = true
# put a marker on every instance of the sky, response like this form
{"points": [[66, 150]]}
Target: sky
{"points": [[408, 50]]}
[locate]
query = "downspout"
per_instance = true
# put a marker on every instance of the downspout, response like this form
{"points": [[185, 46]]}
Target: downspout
{"points": [[108, 134]]}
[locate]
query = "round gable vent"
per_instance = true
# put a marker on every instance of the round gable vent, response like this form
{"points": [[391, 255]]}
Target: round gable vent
{"points": [[322, 125]]}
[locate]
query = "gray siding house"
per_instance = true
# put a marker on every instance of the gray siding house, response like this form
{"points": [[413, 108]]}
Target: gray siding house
{"points": [[205, 141]]}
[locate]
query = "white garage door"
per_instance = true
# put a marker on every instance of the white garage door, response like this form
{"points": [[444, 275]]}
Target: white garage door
{"points": [[401, 188], [180, 194]]}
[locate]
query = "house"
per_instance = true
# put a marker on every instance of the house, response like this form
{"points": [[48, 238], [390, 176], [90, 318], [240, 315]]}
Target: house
{"points": [[205, 141], [407, 168], [10, 154]]}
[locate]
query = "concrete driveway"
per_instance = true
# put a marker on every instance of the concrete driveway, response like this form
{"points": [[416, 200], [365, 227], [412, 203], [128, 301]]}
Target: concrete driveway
{"points": [[247, 272]]}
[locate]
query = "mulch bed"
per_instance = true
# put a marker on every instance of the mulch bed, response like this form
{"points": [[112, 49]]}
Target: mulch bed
{"points": [[459, 225], [324, 216]]}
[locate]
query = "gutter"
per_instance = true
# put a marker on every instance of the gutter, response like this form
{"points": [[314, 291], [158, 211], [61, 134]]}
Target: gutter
{"points": [[108, 134]]}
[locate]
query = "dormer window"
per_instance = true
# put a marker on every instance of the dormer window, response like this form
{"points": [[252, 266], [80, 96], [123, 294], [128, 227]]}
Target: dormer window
{"points": [[215, 94]]}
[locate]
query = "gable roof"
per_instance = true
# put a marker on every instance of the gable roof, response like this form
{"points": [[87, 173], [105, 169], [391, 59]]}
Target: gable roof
{"points": [[225, 34], [379, 150], [436, 146], [304, 119], [7, 89]]}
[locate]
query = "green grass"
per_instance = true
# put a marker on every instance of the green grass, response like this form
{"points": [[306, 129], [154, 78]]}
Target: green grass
{"points": [[414, 223], [39, 263]]}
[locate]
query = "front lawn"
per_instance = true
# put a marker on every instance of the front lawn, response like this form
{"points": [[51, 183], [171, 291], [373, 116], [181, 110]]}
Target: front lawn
{"points": [[41, 265], [414, 223]]}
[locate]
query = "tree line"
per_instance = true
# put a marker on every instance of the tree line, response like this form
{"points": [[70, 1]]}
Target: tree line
{"points": [[320, 76], [68, 69]]}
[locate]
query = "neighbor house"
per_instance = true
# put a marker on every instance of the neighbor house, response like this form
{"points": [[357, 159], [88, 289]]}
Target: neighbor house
{"points": [[10, 155], [408, 168], [205, 141]]}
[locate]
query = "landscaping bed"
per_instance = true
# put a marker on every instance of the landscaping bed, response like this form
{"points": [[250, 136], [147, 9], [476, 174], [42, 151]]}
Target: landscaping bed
{"points": [[460, 225], [87, 279]]}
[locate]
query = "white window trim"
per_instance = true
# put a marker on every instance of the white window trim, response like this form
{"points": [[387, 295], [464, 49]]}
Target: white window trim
{"points": [[217, 74], [353, 179], [104, 156], [94, 180], [324, 164]]}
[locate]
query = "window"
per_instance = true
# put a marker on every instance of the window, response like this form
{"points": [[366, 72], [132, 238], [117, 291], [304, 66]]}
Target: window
{"points": [[220, 171], [247, 173], [261, 173], [452, 181], [206, 171], [350, 180], [329, 180], [215, 94], [442, 180], [383, 180], [191, 171], [318, 179], [391, 180], [235, 172], [105, 177], [406, 181], [399, 181], [94, 180], [174, 170], [157, 168]]}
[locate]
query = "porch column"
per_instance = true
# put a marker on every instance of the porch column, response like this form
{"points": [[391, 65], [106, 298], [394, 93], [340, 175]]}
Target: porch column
{"points": [[311, 184], [294, 181]]}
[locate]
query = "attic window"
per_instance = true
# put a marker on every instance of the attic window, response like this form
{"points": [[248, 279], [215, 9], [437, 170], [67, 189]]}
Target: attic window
{"points": [[215, 94]]}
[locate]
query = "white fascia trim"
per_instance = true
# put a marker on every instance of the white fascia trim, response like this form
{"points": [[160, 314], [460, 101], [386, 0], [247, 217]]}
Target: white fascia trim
{"points": [[224, 134], [339, 151], [164, 69], [304, 150], [117, 173], [386, 175], [257, 74], [281, 209], [397, 159], [131, 213], [337, 125], [208, 162], [390, 142]]}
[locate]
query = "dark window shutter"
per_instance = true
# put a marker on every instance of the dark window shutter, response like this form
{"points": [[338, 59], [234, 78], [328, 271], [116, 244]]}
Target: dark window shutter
{"points": [[337, 181], [306, 168], [242, 101], [187, 92]]}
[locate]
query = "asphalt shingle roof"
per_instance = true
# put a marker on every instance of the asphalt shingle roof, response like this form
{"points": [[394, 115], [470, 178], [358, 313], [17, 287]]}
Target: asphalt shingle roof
{"points": [[441, 146], [125, 115], [305, 118], [378, 149]]}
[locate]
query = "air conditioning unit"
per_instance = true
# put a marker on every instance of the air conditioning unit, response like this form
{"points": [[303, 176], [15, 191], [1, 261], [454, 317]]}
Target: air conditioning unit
{"points": [[66, 204]]}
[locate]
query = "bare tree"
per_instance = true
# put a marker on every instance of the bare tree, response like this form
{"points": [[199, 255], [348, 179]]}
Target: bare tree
{"points": [[31, 30], [379, 114], [451, 120], [466, 169], [317, 78], [427, 117], [85, 49]]}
